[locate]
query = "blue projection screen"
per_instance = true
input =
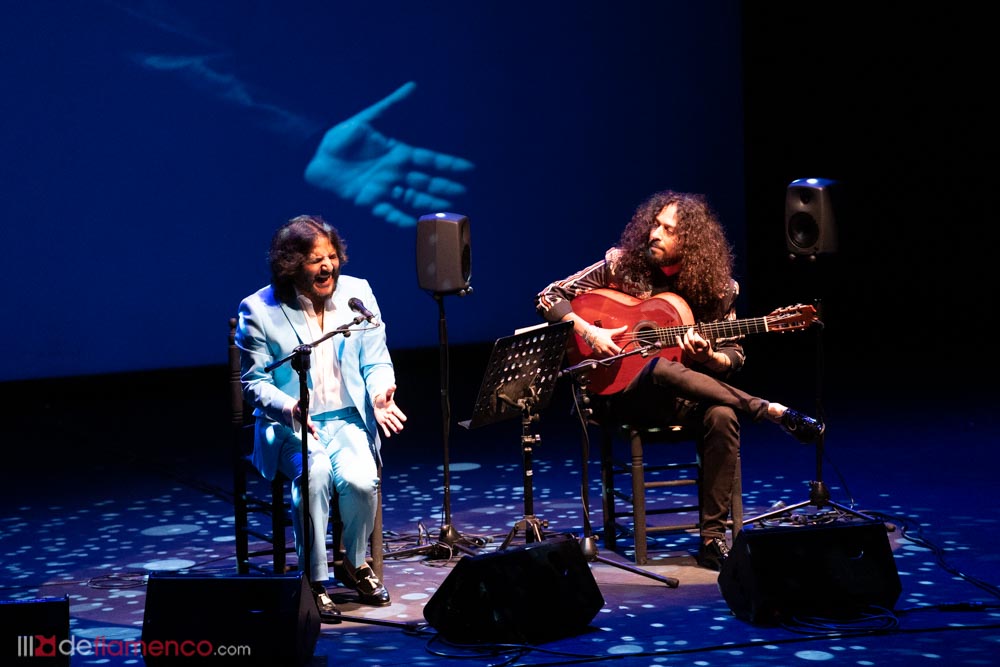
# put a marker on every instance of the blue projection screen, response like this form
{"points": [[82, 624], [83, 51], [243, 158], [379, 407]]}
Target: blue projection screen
{"points": [[151, 148]]}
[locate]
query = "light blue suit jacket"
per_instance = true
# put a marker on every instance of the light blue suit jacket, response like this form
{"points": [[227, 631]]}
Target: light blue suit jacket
{"points": [[269, 330]]}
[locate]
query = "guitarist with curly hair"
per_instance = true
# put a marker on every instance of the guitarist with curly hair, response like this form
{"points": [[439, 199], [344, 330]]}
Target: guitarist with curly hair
{"points": [[673, 266]]}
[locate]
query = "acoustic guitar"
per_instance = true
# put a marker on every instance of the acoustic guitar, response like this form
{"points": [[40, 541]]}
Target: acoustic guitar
{"points": [[654, 325]]}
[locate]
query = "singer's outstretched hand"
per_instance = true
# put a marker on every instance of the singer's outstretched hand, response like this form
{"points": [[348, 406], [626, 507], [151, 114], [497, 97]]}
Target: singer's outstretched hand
{"points": [[393, 179], [387, 413]]}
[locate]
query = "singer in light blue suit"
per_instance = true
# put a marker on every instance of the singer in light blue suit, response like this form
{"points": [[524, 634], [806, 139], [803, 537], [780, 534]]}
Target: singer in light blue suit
{"points": [[351, 385]]}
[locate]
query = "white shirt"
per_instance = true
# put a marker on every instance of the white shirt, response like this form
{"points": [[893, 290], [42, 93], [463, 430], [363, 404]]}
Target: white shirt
{"points": [[328, 392]]}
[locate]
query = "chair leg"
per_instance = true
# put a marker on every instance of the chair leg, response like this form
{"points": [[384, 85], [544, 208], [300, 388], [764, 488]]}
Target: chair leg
{"points": [[638, 498], [608, 490], [736, 501], [378, 557], [278, 525], [241, 518]]}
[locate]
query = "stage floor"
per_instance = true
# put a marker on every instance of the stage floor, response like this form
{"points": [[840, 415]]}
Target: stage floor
{"points": [[93, 524]]}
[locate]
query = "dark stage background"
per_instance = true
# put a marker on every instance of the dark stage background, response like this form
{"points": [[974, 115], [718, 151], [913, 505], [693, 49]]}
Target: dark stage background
{"points": [[891, 101]]}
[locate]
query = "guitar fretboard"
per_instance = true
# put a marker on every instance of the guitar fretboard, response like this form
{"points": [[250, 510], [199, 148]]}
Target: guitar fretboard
{"points": [[712, 331]]}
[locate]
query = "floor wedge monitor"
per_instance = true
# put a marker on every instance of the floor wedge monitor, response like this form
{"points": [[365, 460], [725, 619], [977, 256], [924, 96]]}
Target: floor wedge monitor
{"points": [[836, 570], [526, 594], [242, 619]]}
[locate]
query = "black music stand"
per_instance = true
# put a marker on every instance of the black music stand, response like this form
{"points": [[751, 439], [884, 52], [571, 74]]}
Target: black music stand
{"points": [[519, 381]]}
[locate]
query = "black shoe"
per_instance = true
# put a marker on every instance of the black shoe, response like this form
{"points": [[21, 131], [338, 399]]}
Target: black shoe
{"points": [[370, 589], [711, 555], [328, 612], [802, 428]]}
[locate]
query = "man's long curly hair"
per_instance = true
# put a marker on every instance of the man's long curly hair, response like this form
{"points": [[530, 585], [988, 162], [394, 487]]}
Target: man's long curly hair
{"points": [[707, 267], [291, 245]]}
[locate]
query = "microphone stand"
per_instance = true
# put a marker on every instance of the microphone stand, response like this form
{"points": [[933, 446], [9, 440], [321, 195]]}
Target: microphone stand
{"points": [[301, 359], [588, 543]]}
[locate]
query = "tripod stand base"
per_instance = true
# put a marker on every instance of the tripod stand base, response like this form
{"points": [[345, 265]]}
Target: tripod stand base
{"points": [[819, 497], [589, 547], [449, 541]]}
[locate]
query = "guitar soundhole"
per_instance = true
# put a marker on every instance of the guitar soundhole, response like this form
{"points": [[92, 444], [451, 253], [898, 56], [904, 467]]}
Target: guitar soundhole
{"points": [[645, 332]]}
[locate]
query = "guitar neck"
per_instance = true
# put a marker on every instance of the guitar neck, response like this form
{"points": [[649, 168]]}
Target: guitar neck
{"points": [[711, 331]]}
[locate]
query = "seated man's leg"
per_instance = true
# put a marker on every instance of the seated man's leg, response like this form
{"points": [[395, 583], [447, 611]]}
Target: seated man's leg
{"points": [[696, 386], [720, 455], [355, 476], [290, 465]]}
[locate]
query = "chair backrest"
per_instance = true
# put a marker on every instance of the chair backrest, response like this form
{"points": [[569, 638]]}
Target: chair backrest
{"points": [[235, 387], [239, 412]]}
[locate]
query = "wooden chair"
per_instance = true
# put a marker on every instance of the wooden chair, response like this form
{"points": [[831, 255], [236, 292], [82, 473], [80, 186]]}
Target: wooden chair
{"points": [[673, 469], [254, 495]]}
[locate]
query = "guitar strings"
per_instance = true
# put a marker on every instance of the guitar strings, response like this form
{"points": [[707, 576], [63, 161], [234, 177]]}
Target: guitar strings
{"points": [[715, 330]]}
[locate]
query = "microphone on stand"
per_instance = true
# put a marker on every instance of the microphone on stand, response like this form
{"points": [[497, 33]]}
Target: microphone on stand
{"points": [[354, 303]]}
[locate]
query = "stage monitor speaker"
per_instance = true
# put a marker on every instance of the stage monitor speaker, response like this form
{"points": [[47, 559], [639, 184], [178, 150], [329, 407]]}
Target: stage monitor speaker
{"points": [[526, 594], [39, 628], [256, 620], [838, 570], [444, 253], [810, 224]]}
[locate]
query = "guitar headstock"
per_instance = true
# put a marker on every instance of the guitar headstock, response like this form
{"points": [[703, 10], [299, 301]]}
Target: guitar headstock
{"points": [[791, 318]]}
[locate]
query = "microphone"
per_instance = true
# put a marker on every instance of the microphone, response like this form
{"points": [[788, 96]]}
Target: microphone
{"points": [[354, 303]]}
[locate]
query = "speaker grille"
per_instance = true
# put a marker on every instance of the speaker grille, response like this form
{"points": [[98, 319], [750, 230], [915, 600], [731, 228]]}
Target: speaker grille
{"points": [[810, 226]]}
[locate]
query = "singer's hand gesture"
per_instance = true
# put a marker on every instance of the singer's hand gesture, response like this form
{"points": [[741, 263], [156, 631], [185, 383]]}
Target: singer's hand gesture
{"points": [[387, 413]]}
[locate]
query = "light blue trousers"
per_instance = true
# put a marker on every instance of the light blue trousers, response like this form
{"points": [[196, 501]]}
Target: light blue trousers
{"points": [[343, 460]]}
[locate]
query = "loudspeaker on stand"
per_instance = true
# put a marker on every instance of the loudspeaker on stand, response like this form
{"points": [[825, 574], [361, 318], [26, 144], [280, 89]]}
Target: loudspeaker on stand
{"points": [[444, 253], [810, 224]]}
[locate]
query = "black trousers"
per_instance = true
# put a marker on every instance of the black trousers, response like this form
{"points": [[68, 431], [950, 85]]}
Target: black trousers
{"points": [[667, 392]]}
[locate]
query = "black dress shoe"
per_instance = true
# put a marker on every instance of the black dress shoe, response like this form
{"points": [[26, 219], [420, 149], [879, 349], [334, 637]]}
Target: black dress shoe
{"points": [[370, 589], [711, 555], [328, 612], [802, 428]]}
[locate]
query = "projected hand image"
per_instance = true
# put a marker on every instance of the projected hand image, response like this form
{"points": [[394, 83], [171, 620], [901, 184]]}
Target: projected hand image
{"points": [[396, 181]]}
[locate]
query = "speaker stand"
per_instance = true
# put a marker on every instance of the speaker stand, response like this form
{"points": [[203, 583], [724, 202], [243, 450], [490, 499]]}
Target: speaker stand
{"points": [[449, 539], [819, 493]]}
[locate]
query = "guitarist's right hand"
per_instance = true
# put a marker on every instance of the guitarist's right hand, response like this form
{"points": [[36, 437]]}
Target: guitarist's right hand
{"points": [[601, 341]]}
